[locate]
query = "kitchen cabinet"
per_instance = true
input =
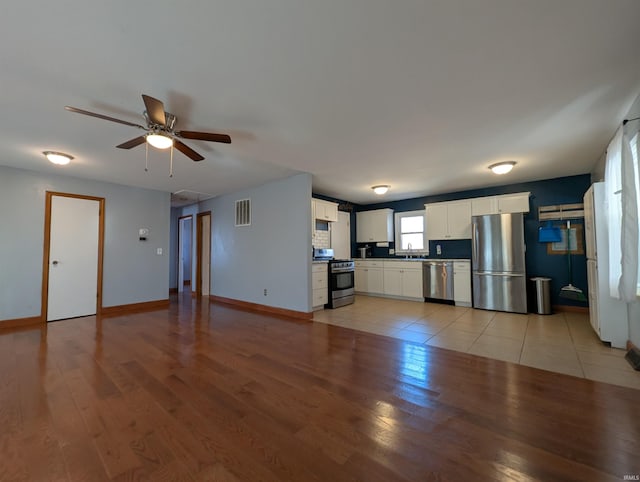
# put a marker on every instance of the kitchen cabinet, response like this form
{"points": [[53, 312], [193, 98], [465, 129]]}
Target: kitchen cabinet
{"points": [[513, 203], [368, 277], [505, 203], [320, 284], [448, 220], [403, 279], [325, 210], [462, 283], [374, 226]]}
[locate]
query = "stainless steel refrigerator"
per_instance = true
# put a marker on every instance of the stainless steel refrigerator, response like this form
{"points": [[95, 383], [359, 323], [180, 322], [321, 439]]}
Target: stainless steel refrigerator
{"points": [[499, 280]]}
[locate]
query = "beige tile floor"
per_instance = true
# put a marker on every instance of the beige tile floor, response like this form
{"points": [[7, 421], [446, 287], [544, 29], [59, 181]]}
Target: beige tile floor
{"points": [[562, 342]]}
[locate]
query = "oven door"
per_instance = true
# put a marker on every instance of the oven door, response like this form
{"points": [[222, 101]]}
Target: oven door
{"points": [[342, 280], [341, 288]]}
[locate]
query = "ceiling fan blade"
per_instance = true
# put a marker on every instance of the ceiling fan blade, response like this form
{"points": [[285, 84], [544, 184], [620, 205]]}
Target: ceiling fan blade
{"points": [[132, 143], [205, 136], [155, 110], [187, 151], [101, 116]]}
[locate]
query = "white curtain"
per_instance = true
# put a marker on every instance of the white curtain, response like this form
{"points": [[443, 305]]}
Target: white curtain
{"points": [[613, 189], [621, 184], [628, 286]]}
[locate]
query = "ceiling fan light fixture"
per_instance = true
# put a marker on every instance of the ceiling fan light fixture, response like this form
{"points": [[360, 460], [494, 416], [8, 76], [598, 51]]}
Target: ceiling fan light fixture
{"points": [[502, 167], [58, 158], [159, 141], [380, 189]]}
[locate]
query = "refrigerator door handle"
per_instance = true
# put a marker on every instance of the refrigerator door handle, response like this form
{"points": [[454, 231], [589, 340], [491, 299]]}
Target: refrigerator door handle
{"points": [[474, 243]]}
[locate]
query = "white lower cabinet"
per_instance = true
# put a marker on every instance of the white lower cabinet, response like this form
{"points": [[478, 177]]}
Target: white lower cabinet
{"points": [[462, 283], [392, 281], [320, 284], [403, 279], [369, 277]]}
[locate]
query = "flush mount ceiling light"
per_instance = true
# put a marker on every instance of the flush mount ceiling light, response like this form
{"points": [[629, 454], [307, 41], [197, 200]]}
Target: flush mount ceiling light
{"points": [[502, 167], [159, 141], [58, 157], [380, 189]]}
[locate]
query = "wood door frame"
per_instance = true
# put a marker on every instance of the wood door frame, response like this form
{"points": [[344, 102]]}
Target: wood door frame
{"points": [[199, 247], [180, 218], [46, 249]]}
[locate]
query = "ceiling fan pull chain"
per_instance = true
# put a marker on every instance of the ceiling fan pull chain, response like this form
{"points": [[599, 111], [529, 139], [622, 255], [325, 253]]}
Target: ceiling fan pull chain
{"points": [[146, 157], [171, 163]]}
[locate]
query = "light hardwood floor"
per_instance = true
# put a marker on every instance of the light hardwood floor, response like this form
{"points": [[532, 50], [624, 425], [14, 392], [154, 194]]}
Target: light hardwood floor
{"points": [[562, 342], [207, 392]]}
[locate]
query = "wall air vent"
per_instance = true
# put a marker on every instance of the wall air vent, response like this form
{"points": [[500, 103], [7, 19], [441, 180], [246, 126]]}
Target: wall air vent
{"points": [[243, 212]]}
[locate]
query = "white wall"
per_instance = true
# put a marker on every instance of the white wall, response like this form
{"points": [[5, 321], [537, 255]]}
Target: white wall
{"points": [[188, 246], [133, 273], [273, 253], [173, 247]]}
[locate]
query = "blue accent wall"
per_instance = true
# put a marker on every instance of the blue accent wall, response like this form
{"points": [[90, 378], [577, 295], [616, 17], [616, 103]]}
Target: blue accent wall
{"points": [[563, 190]]}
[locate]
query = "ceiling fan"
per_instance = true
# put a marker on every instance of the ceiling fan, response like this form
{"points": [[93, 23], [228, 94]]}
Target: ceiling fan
{"points": [[160, 129]]}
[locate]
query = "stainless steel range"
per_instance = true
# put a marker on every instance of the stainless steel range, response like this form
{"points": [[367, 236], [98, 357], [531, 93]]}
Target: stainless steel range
{"points": [[341, 282], [341, 277]]}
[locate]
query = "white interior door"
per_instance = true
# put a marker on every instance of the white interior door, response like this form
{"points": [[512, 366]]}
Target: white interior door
{"points": [[206, 254], [73, 258], [341, 236]]}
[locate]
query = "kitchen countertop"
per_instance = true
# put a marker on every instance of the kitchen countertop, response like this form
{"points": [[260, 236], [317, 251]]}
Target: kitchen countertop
{"points": [[411, 259]]}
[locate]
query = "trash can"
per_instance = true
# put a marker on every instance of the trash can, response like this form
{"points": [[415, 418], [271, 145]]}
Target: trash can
{"points": [[541, 295]]}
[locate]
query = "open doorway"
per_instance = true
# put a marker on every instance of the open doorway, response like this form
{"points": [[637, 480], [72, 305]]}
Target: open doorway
{"points": [[203, 254], [184, 252]]}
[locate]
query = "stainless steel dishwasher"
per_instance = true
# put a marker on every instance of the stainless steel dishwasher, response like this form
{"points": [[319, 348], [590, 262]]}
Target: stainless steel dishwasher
{"points": [[437, 280]]}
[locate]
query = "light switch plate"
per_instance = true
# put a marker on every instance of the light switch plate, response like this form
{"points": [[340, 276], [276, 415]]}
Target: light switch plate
{"points": [[159, 251]]}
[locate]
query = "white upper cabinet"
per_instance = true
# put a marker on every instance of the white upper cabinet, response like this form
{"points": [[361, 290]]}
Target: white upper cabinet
{"points": [[459, 222], [506, 203], [448, 220], [325, 210], [484, 205], [437, 216], [374, 226], [513, 203]]}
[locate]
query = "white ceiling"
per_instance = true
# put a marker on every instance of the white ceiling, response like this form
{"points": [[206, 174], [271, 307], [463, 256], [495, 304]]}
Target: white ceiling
{"points": [[419, 94]]}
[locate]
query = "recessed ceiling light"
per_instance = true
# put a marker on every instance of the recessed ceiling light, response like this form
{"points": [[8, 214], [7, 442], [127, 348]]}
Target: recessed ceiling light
{"points": [[160, 141], [58, 157], [502, 167], [380, 189]]}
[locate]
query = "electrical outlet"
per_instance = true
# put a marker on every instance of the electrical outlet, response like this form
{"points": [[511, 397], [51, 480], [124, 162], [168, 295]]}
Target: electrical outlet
{"points": [[438, 249], [265, 291], [392, 251], [159, 251]]}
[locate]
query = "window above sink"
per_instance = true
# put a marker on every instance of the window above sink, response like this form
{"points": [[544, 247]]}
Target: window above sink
{"points": [[410, 234]]}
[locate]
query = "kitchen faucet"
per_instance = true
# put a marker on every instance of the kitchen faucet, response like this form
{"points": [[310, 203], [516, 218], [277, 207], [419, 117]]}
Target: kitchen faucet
{"points": [[409, 253]]}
